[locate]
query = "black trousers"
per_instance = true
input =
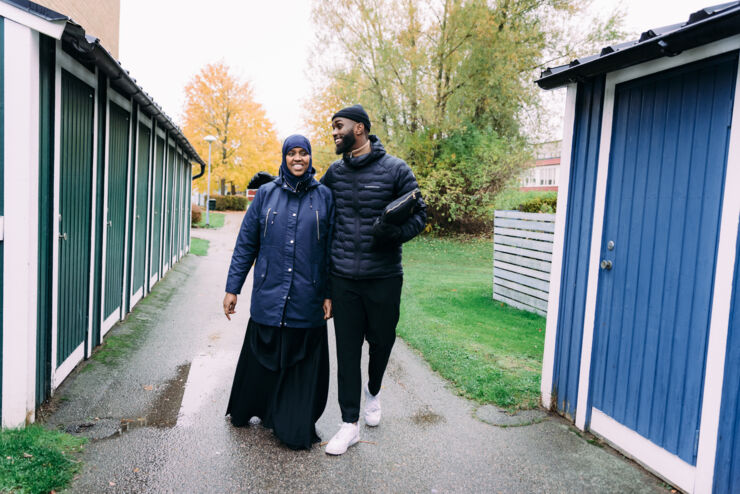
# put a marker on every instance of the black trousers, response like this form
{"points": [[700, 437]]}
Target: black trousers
{"points": [[363, 310]]}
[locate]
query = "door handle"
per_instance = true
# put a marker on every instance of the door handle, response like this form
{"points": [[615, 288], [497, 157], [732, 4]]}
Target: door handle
{"points": [[63, 236], [606, 264]]}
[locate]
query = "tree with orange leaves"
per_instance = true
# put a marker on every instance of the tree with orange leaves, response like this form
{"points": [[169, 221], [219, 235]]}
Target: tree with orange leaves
{"points": [[218, 103]]}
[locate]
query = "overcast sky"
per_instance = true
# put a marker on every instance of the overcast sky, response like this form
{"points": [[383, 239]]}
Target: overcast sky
{"points": [[163, 43]]}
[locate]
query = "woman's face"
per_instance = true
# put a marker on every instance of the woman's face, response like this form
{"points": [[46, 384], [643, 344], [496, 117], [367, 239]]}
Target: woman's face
{"points": [[297, 160]]}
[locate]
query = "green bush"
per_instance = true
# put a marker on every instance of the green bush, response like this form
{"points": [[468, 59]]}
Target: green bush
{"points": [[539, 205], [230, 203], [461, 173], [195, 214]]}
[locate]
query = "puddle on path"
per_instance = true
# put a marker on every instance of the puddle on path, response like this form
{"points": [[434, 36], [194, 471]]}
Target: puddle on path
{"points": [[162, 412], [425, 416], [165, 408]]}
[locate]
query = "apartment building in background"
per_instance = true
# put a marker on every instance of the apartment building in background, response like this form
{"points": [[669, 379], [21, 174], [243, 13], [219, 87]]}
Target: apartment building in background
{"points": [[543, 173]]}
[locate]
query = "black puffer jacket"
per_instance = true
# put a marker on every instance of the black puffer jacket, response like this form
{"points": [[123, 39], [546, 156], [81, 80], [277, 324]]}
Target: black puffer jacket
{"points": [[362, 188]]}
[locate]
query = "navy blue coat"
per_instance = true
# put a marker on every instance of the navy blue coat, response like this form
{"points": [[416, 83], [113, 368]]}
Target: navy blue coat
{"points": [[288, 234], [362, 188]]}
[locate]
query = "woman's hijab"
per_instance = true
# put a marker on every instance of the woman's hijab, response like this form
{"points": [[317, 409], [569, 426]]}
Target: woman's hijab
{"points": [[296, 141]]}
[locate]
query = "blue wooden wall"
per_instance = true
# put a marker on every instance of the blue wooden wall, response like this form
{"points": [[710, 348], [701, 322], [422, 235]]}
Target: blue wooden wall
{"points": [[727, 463], [577, 244]]}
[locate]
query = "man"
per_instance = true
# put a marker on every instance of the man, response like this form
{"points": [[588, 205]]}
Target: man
{"points": [[366, 272]]}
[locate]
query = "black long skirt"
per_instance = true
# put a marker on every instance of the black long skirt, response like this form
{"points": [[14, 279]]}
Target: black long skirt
{"points": [[282, 377]]}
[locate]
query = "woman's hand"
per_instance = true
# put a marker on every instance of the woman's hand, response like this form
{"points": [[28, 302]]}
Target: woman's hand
{"points": [[327, 308], [230, 304]]}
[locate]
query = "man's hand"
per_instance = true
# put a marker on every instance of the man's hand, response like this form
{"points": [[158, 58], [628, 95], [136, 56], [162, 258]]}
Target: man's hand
{"points": [[386, 232], [229, 305], [327, 308]]}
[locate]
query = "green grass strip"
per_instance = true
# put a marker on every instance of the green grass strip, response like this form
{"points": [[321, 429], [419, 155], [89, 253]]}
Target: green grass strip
{"points": [[199, 246], [492, 353], [35, 459], [216, 220]]}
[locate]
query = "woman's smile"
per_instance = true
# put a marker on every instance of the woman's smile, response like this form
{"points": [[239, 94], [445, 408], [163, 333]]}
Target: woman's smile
{"points": [[297, 160]]}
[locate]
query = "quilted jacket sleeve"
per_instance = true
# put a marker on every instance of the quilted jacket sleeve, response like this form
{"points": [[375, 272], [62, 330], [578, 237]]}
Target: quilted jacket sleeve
{"points": [[247, 246], [406, 182]]}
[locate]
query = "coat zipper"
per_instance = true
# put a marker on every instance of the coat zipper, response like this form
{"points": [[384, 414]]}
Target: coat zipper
{"points": [[267, 217], [406, 199], [318, 234]]}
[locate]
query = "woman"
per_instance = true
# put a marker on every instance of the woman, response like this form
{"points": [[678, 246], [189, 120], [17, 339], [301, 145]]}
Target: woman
{"points": [[282, 375]]}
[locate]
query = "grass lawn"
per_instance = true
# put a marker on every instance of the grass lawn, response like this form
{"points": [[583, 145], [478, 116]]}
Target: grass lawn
{"points": [[491, 352], [199, 246], [216, 220], [35, 459]]}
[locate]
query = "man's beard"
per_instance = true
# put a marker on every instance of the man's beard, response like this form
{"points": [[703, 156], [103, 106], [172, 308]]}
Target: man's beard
{"points": [[345, 145]]}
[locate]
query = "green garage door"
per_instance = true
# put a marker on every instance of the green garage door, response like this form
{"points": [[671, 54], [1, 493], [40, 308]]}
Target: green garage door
{"points": [[75, 204], [178, 204], [169, 213], [142, 180], [157, 207], [115, 222]]}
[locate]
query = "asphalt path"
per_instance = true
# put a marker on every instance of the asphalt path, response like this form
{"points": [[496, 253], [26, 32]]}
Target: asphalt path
{"points": [[155, 416]]}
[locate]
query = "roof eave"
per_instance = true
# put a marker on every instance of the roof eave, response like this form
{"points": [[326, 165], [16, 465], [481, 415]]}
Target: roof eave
{"points": [[91, 51], [714, 28]]}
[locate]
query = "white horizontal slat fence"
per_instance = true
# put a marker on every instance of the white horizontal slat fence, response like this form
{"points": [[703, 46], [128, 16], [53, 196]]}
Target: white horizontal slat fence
{"points": [[522, 254]]}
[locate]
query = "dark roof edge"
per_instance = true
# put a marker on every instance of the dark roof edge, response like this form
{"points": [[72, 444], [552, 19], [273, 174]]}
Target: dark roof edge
{"points": [[90, 50], [37, 10], [722, 24]]}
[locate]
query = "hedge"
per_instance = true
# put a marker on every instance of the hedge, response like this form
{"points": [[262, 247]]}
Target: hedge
{"points": [[539, 205], [230, 203]]}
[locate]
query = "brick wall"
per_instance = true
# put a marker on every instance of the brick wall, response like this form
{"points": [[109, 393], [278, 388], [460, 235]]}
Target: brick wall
{"points": [[100, 18]]}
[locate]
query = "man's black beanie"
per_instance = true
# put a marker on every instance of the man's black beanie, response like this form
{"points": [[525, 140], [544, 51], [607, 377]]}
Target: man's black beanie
{"points": [[355, 113]]}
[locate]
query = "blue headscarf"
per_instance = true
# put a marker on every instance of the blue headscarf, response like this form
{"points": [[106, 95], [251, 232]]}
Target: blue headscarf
{"points": [[296, 141]]}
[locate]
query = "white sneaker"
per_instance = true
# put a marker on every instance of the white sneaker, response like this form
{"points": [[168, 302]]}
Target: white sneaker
{"points": [[372, 408], [348, 435]]}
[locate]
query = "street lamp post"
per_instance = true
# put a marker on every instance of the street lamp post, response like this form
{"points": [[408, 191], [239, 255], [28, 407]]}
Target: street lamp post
{"points": [[209, 139]]}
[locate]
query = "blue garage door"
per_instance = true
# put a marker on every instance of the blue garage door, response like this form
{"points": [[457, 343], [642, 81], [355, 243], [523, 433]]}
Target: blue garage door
{"points": [[666, 174]]}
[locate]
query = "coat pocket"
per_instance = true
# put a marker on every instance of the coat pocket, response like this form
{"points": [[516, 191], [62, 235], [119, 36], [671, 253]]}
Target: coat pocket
{"points": [[260, 272]]}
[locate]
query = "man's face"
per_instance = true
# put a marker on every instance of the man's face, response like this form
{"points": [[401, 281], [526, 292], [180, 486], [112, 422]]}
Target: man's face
{"points": [[342, 130]]}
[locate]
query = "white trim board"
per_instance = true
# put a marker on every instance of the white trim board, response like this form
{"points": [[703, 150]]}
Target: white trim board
{"points": [[134, 170], [60, 373], [136, 296], [725, 260], [20, 269], [56, 219], [109, 323], [644, 451], [553, 301], [145, 119], [116, 98], [153, 281], [104, 242], [75, 68], [132, 126], [593, 259], [93, 212], [31, 21]]}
